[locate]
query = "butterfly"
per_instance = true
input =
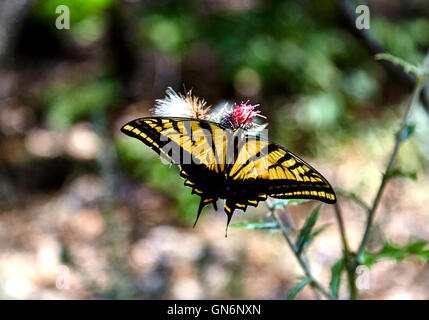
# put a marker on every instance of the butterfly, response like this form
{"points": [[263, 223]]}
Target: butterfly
{"points": [[218, 162]]}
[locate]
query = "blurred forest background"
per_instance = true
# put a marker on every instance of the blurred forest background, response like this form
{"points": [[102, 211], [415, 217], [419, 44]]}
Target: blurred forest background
{"points": [[86, 212]]}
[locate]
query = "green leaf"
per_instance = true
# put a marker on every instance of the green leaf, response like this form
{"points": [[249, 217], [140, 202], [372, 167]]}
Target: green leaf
{"points": [[416, 247], [394, 252], [314, 234], [407, 132], [398, 172], [406, 66], [304, 236], [294, 291], [336, 272], [256, 225]]}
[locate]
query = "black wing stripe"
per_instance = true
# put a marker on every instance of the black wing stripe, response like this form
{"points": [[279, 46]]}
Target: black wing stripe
{"points": [[264, 150], [207, 126]]}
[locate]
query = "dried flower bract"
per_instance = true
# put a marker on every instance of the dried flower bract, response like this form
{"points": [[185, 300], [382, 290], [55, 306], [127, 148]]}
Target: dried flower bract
{"points": [[179, 105]]}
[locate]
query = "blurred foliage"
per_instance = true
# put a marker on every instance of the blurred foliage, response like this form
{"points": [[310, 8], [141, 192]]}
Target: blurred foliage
{"points": [[88, 30], [323, 94], [66, 103], [169, 34], [404, 39]]}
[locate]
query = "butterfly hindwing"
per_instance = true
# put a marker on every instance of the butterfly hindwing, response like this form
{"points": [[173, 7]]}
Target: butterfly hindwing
{"points": [[203, 183], [263, 167]]}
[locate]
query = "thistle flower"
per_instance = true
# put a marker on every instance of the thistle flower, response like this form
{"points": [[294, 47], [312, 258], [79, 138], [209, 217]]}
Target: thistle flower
{"points": [[242, 115], [178, 105], [189, 106]]}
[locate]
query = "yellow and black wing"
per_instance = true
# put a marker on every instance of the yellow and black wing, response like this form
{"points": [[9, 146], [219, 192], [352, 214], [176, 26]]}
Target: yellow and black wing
{"points": [[220, 163], [263, 168], [199, 147]]}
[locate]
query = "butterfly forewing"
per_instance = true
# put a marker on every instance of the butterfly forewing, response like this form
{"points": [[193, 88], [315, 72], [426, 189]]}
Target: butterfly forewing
{"points": [[197, 146]]}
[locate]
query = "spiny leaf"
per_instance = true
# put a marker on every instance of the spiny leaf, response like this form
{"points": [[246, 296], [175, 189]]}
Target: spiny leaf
{"points": [[398, 172], [305, 232], [256, 225], [318, 231], [336, 272], [406, 66], [391, 251], [417, 246], [294, 291], [314, 234]]}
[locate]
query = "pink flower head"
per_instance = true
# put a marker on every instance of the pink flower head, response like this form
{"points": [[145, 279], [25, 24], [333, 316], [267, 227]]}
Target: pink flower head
{"points": [[242, 115]]}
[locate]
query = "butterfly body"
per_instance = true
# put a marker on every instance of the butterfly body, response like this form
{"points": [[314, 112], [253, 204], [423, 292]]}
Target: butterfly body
{"points": [[220, 163]]}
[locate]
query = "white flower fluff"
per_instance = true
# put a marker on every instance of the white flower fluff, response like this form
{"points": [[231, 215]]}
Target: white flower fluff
{"points": [[177, 105]]}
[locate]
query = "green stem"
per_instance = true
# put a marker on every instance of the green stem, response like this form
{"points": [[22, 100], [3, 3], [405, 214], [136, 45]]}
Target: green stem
{"points": [[350, 262], [314, 283], [398, 140]]}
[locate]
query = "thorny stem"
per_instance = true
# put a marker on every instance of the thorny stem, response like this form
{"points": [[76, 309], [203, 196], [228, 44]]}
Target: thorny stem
{"points": [[314, 283], [349, 260], [398, 139], [341, 226]]}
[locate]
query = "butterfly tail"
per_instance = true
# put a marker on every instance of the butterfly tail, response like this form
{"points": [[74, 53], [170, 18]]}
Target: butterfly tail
{"points": [[229, 210], [200, 208], [203, 203]]}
